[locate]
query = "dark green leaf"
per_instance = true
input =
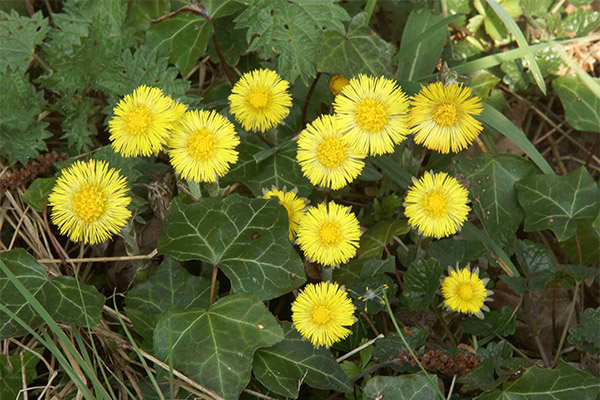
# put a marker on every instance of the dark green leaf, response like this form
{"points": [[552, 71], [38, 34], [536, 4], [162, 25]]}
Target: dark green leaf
{"points": [[18, 38], [482, 82], [500, 322], [403, 387], [451, 251], [586, 335], [556, 202], [244, 237], [215, 347], [421, 281], [582, 107], [360, 269], [538, 263], [392, 344], [231, 42], [284, 367], [37, 193], [376, 238], [142, 12], [578, 272], [126, 166], [12, 372], [77, 130], [220, 8]]}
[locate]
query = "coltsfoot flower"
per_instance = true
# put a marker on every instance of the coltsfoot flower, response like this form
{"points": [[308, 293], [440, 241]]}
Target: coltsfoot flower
{"points": [[465, 292], [294, 205]]}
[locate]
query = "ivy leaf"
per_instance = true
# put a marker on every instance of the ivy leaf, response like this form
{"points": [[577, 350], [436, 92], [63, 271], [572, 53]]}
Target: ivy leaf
{"points": [[538, 263], [361, 269], [421, 281], [557, 202], [501, 322], [451, 251], [358, 51], [491, 183], [11, 373], [18, 38], [66, 300], [215, 347], [244, 237], [170, 285], [403, 387], [291, 30], [585, 335], [561, 383], [376, 238], [37, 193], [582, 106], [283, 367]]}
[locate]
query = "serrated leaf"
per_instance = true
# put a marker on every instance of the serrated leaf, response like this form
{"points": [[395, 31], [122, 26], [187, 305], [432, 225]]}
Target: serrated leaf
{"points": [[37, 193], [215, 347], [538, 263], [451, 251], [403, 387], [585, 335], [376, 238], [245, 237], [13, 370], [561, 383], [421, 281], [284, 367], [557, 202], [66, 300], [582, 106], [491, 184], [500, 322], [19, 37], [170, 285], [359, 51], [76, 128]]}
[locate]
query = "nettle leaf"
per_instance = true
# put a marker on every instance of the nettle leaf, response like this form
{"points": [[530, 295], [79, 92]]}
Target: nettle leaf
{"points": [[376, 238], [361, 269], [557, 202], [491, 183], [170, 285], [561, 383], [403, 387], [358, 51], [77, 130], [66, 300], [37, 193], [582, 106], [538, 263], [284, 367], [502, 322], [13, 370], [421, 281], [215, 347], [291, 30], [585, 335], [451, 251], [19, 36], [245, 237]]}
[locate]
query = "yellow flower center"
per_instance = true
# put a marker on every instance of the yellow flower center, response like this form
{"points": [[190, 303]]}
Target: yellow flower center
{"points": [[259, 98], [321, 314], [330, 233], [88, 204], [138, 120], [201, 145], [445, 115], [371, 115], [332, 152], [435, 204], [465, 291]]}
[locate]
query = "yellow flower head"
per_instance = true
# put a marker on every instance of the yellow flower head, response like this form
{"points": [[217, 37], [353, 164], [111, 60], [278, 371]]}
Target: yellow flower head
{"points": [[329, 234], [326, 156], [372, 112], [321, 312], [142, 122], [89, 202], [294, 205], [337, 83], [436, 205], [202, 146], [441, 117], [260, 100], [465, 292]]}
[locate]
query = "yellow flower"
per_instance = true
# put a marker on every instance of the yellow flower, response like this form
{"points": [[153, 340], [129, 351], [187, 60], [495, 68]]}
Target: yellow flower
{"points": [[441, 117], [329, 234], [372, 112], [202, 146], [142, 122], [321, 312], [325, 155], [89, 202], [260, 100], [337, 83], [465, 292], [436, 205], [294, 206]]}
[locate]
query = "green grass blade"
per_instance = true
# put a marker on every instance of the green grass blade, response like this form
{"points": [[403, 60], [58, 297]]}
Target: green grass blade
{"points": [[470, 231], [393, 170]]}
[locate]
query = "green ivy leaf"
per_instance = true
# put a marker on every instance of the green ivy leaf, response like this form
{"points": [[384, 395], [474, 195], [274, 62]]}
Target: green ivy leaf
{"points": [[451, 251], [585, 335], [245, 237], [19, 37], [37, 193], [491, 183], [170, 285], [284, 367], [557, 202], [66, 300], [500, 322], [582, 106], [403, 387], [561, 383], [215, 347], [358, 51], [11, 373], [376, 238], [421, 281], [361, 269], [538, 263]]}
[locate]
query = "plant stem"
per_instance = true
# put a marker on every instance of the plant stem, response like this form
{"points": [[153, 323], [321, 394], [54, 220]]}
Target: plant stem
{"points": [[534, 331], [566, 328], [369, 7], [515, 349], [223, 62], [440, 317], [308, 97], [213, 284]]}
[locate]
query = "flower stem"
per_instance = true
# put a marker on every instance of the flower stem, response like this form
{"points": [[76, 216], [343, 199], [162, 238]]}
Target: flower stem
{"points": [[213, 284], [440, 317], [308, 97], [369, 7]]}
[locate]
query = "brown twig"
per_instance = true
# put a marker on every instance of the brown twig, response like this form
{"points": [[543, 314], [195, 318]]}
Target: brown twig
{"points": [[195, 8], [98, 259], [223, 62], [213, 284], [308, 97], [55, 243], [592, 152]]}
